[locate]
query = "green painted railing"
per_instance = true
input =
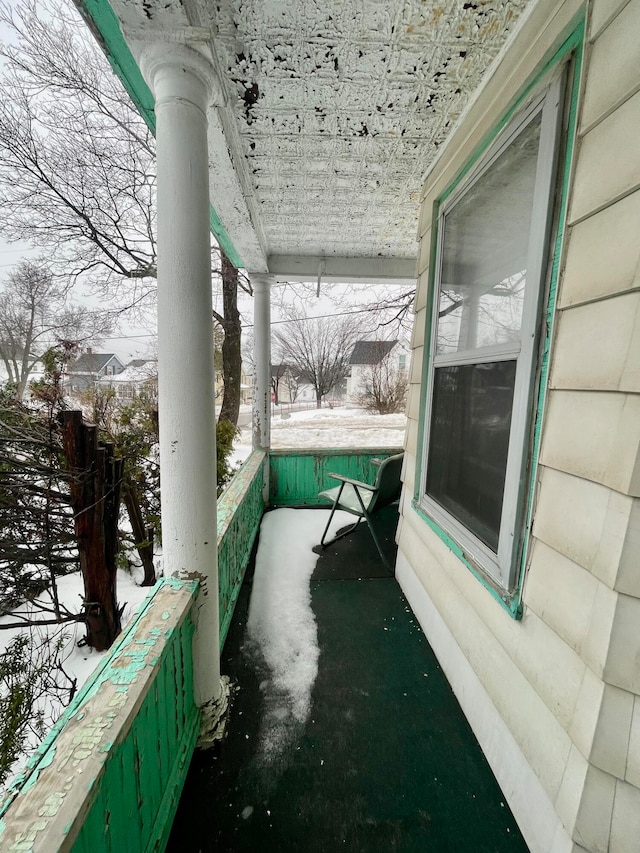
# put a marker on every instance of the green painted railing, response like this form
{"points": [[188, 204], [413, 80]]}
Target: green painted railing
{"points": [[297, 476], [110, 773], [240, 509]]}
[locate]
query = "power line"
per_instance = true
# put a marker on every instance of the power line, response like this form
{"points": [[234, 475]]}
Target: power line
{"points": [[320, 317], [244, 325]]}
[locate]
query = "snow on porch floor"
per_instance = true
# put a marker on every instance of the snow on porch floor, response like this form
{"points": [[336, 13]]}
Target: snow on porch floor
{"points": [[384, 761]]}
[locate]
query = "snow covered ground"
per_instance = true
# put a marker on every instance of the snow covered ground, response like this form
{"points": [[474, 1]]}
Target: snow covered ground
{"points": [[78, 661], [338, 427]]}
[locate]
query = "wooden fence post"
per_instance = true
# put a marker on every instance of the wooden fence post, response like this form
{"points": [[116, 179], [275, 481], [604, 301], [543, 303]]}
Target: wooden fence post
{"points": [[95, 496]]}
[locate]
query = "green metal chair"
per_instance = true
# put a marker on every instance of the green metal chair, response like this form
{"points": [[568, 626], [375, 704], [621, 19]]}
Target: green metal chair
{"points": [[364, 500]]}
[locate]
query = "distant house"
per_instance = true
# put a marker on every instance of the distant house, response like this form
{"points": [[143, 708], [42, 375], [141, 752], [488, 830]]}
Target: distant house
{"points": [[289, 385], [246, 386], [139, 376], [90, 367], [286, 384], [305, 390], [368, 356]]}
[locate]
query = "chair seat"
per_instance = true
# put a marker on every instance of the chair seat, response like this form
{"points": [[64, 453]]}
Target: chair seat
{"points": [[363, 500], [349, 499]]}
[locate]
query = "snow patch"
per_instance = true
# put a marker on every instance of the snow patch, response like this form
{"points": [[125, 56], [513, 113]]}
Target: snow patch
{"points": [[281, 627]]}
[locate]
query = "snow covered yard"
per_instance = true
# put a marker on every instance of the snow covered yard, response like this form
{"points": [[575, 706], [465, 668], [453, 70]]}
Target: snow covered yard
{"points": [[78, 661], [337, 427]]}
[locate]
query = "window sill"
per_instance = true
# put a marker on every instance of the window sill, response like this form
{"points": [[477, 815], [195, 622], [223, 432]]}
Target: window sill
{"points": [[510, 600]]}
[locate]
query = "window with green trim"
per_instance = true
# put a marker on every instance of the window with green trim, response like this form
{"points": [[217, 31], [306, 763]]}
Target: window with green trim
{"points": [[492, 259]]}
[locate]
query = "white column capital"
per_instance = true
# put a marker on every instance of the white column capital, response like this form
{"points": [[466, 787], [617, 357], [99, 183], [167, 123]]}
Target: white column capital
{"points": [[178, 71], [260, 280]]}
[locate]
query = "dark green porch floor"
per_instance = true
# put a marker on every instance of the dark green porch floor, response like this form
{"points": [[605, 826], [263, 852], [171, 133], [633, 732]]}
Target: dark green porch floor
{"points": [[386, 761]]}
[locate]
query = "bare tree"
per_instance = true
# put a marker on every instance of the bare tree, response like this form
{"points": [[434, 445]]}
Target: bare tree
{"points": [[293, 383], [232, 343], [318, 348], [77, 170], [394, 310], [34, 315], [278, 374], [77, 167], [384, 386]]}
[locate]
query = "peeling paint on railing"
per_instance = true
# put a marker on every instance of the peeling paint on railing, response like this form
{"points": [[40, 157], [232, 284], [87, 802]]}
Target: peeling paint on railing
{"points": [[297, 476], [240, 509], [108, 776]]}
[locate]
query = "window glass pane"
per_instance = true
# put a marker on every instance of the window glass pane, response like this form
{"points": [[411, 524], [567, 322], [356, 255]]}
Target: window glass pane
{"points": [[469, 441], [485, 248]]}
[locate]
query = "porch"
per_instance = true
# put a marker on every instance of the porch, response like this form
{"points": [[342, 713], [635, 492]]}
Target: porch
{"points": [[385, 760]]}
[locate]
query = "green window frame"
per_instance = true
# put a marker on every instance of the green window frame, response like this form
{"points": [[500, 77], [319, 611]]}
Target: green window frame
{"points": [[497, 556]]}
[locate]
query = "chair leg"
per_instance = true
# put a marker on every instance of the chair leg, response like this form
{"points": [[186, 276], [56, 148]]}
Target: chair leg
{"points": [[324, 544], [341, 535], [385, 562]]}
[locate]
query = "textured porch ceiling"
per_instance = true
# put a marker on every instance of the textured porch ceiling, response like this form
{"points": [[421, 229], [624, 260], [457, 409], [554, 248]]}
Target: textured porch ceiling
{"points": [[333, 111]]}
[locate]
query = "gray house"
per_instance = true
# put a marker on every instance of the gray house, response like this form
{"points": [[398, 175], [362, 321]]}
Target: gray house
{"points": [[90, 367]]}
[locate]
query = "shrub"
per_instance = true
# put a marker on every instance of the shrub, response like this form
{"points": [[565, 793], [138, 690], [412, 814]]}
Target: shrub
{"points": [[225, 434]]}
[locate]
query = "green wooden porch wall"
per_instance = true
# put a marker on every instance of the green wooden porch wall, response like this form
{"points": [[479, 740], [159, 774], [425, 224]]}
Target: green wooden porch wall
{"points": [[109, 775], [297, 476], [138, 794], [240, 508]]}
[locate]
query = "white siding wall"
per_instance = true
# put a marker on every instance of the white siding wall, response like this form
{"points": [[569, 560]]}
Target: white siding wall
{"points": [[357, 381], [555, 698]]}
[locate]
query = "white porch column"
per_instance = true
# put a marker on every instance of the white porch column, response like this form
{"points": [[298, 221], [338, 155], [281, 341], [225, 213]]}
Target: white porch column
{"points": [[180, 79], [262, 362]]}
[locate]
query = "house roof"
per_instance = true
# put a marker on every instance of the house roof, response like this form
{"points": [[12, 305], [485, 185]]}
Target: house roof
{"points": [[279, 370], [136, 374], [371, 352], [92, 362]]}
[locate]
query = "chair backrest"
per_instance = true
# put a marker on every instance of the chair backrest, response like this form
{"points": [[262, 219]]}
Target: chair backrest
{"points": [[388, 484]]}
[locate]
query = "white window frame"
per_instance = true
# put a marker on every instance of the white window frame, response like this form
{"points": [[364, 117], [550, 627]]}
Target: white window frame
{"points": [[501, 566]]}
